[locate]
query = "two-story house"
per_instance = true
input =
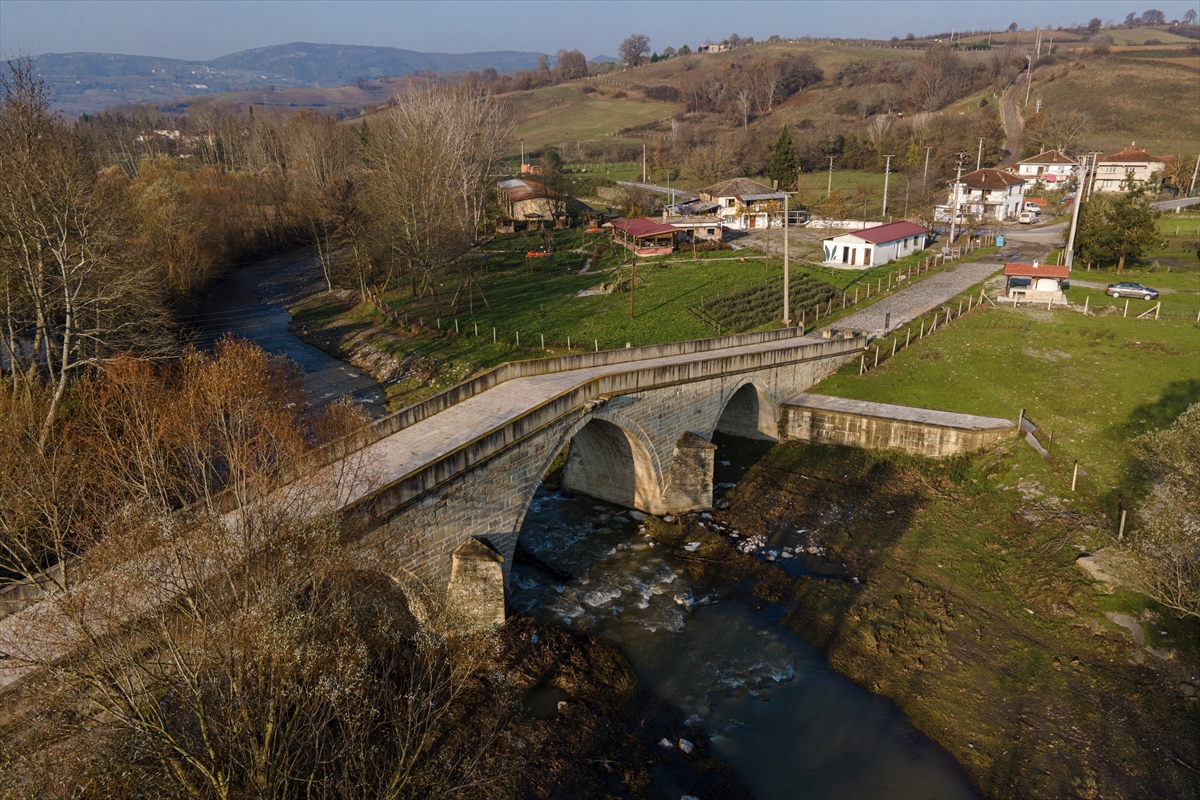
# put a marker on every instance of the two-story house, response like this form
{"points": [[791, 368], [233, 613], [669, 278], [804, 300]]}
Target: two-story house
{"points": [[986, 195], [1050, 168], [744, 204], [1115, 170]]}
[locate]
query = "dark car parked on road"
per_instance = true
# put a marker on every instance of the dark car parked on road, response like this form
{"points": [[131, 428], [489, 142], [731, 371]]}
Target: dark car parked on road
{"points": [[1131, 289]]}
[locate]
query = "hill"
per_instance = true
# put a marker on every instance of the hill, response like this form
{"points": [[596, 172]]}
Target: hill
{"points": [[89, 82]]}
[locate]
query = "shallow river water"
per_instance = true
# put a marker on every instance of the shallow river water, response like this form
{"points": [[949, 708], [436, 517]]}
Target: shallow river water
{"points": [[244, 305], [774, 710]]}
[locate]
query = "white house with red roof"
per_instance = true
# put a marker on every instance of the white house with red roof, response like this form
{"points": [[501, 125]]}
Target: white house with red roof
{"points": [[1052, 167], [1115, 170], [871, 247], [985, 194]]}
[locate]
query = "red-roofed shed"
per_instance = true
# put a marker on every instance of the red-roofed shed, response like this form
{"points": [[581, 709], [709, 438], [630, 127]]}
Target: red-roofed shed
{"points": [[1035, 282], [875, 245]]}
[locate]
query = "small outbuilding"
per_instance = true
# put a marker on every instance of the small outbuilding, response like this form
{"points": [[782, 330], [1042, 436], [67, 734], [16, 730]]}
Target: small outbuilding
{"points": [[505, 225], [645, 237], [871, 247], [1036, 283]]}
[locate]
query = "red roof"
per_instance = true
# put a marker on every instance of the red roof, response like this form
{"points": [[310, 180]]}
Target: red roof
{"points": [[891, 232], [1036, 270], [642, 226], [994, 180], [1050, 157], [1130, 155]]}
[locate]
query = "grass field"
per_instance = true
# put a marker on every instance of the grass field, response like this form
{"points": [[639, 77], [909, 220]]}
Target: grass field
{"points": [[1094, 381], [1127, 100], [562, 115], [538, 300], [1132, 36]]}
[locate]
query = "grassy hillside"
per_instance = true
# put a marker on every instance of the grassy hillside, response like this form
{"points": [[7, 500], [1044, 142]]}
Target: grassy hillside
{"points": [[557, 114], [1150, 102]]}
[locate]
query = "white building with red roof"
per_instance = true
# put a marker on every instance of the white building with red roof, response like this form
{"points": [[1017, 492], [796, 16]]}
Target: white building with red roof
{"points": [[1115, 170], [985, 194], [871, 247], [1051, 167]]}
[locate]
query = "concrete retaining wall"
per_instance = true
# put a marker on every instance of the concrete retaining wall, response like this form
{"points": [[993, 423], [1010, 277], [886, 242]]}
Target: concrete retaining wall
{"points": [[882, 426]]}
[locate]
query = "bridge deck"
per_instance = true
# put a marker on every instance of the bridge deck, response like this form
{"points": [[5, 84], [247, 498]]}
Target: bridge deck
{"points": [[412, 448], [924, 416]]}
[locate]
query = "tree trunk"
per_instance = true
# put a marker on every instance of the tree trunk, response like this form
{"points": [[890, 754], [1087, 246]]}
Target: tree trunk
{"points": [[1121, 264]]}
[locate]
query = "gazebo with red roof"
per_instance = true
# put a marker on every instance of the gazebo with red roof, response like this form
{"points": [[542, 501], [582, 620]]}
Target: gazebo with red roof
{"points": [[645, 237]]}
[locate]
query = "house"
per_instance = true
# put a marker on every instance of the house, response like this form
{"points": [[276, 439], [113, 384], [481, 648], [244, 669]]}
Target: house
{"points": [[744, 204], [645, 237], [873, 246], [1052, 167], [1115, 170], [697, 227], [985, 194], [520, 197], [1037, 283]]}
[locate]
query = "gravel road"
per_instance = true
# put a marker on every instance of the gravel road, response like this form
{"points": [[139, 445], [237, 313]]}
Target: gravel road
{"points": [[913, 301]]}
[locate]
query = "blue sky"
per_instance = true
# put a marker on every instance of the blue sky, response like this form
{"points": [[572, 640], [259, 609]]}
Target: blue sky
{"points": [[203, 29]]}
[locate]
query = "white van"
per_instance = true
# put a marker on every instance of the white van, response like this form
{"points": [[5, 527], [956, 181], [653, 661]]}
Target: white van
{"points": [[1032, 207], [1027, 218]]}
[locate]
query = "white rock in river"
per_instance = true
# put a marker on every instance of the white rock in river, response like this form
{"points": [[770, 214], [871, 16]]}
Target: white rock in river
{"points": [[665, 742], [638, 515], [691, 546], [669, 518], [685, 599], [685, 745]]}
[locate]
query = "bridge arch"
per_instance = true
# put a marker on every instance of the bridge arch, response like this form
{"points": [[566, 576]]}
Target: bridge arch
{"points": [[610, 458], [748, 412]]}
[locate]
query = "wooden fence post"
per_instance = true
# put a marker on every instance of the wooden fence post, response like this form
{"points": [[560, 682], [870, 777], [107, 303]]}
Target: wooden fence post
{"points": [[597, 345], [877, 355], [1156, 308], [1074, 475], [922, 336], [1126, 313], [907, 336], [1086, 301], [493, 335], [1020, 421], [895, 342], [568, 344], [1121, 529], [862, 364]]}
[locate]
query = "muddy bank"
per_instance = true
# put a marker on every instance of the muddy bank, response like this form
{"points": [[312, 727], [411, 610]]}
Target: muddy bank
{"points": [[960, 601]]}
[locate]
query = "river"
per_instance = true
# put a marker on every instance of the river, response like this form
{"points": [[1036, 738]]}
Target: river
{"points": [[773, 709], [250, 304]]}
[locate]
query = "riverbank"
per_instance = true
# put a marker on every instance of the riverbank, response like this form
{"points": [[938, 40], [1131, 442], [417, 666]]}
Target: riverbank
{"points": [[961, 602]]}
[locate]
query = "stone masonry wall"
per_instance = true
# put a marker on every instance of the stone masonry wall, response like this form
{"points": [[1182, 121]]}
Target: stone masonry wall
{"points": [[490, 500], [854, 430]]}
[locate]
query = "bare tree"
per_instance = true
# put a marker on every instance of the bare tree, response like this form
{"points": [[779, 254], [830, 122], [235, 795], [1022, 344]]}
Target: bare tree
{"points": [[635, 50], [1166, 542], [73, 293], [572, 64]]}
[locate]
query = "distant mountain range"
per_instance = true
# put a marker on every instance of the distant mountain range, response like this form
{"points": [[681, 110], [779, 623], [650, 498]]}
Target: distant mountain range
{"points": [[90, 82]]}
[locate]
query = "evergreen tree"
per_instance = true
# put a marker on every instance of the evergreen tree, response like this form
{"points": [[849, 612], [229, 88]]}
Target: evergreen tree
{"points": [[1120, 228], [782, 166]]}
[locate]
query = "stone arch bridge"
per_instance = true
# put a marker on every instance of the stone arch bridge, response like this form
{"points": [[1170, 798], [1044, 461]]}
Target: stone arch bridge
{"points": [[463, 467], [440, 489]]}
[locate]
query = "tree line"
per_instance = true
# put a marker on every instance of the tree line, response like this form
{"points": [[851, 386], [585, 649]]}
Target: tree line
{"points": [[108, 239]]}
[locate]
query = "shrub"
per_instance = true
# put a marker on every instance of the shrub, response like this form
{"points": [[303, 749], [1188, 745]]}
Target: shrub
{"points": [[587, 89], [665, 94]]}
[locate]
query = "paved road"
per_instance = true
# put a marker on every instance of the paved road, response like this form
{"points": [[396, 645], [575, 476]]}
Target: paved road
{"points": [[1171, 205], [650, 187]]}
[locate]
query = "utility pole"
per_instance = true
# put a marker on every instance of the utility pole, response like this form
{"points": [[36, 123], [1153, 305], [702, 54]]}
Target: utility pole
{"points": [[1075, 214], [829, 189], [1195, 169], [787, 319], [979, 158], [887, 171], [925, 178], [957, 192], [643, 163], [1029, 84], [632, 280], [522, 156], [1095, 171]]}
